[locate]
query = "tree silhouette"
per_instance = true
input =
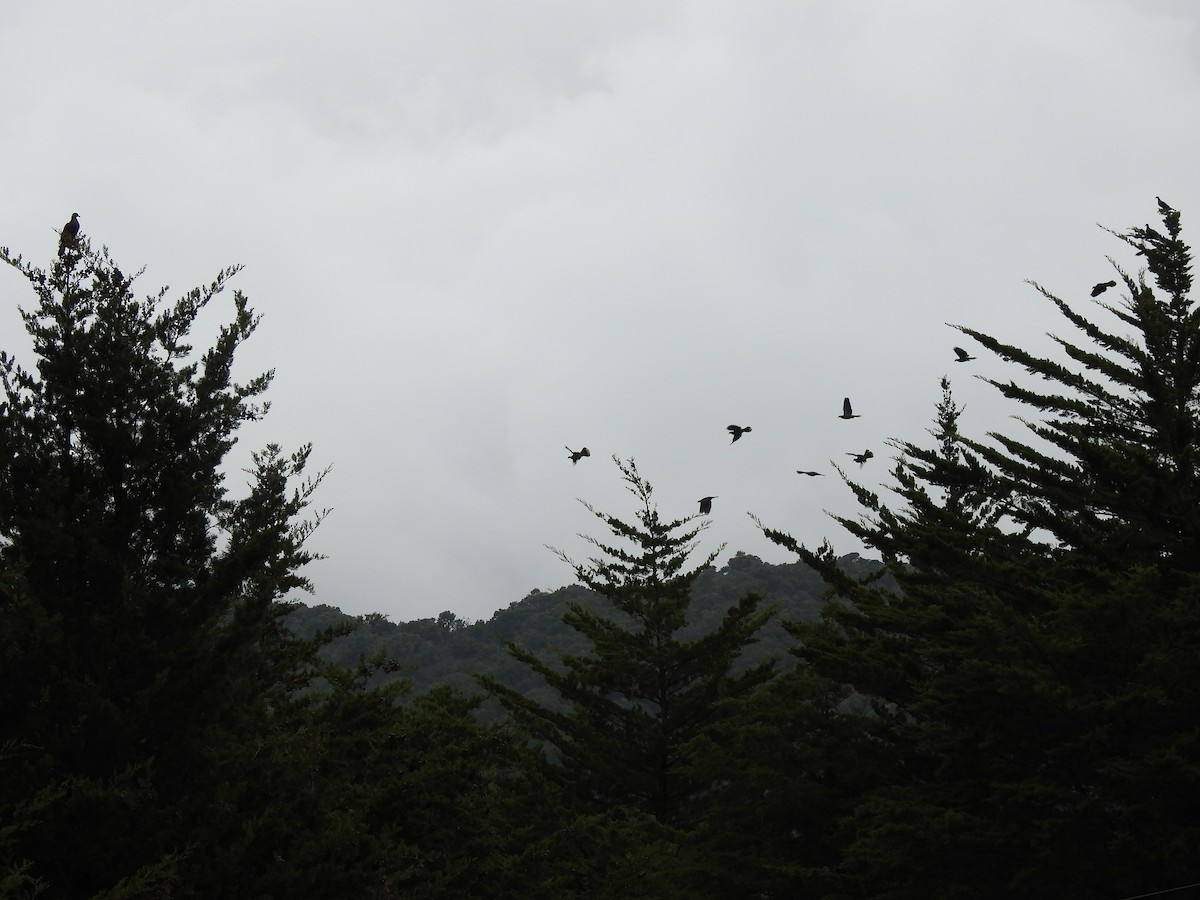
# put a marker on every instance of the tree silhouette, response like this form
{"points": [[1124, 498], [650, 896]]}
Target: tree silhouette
{"points": [[1034, 675], [140, 601], [634, 703]]}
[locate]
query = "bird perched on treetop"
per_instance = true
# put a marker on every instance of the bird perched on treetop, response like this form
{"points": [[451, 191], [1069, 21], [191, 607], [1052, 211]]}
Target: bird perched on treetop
{"points": [[1163, 206], [577, 455], [706, 505], [66, 237], [1103, 286], [737, 431], [847, 411], [861, 458], [803, 472], [962, 354]]}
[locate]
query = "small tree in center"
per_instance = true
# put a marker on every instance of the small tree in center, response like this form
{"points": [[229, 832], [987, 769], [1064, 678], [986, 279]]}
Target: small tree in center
{"points": [[633, 706]]}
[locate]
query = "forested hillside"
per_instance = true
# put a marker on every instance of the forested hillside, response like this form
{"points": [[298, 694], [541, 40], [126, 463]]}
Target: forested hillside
{"points": [[450, 651]]}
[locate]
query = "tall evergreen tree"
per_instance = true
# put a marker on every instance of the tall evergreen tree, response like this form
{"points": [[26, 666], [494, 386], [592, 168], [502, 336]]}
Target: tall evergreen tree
{"points": [[1035, 677], [632, 707], [140, 601]]}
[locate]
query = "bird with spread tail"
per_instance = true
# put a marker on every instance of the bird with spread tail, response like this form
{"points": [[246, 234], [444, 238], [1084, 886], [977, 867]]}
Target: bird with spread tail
{"points": [[861, 458], [737, 431], [66, 237], [706, 505], [577, 455], [963, 355], [1103, 286], [848, 411]]}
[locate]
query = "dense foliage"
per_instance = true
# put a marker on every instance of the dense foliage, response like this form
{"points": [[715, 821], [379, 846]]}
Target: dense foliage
{"points": [[641, 693], [141, 614], [161, 730], [1034, 681]]}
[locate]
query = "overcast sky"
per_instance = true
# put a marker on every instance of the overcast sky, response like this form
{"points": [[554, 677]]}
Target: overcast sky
{"points": [[479, 232]]}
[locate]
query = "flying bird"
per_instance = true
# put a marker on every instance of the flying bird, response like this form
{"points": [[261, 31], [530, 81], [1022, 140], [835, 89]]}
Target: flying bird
{"points": [[963, 355], [66, 237], [577, 455], [706, 505], [803, 472], [861, 458], [848, 411], [1103, 286], [737, 431]]}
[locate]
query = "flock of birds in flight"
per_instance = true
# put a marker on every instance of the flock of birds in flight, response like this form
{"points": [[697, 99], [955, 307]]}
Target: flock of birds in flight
{"points": [[70, 232], [736, 431]]}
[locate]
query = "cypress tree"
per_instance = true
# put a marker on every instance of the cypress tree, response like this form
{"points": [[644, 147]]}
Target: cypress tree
{"points": [[1034, 676], [140, 600]]}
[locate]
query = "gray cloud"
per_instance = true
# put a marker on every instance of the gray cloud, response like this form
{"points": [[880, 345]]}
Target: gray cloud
{"points": [[479, 232]]}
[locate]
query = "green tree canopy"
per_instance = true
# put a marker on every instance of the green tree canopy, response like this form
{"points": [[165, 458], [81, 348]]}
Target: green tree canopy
{"points": [[140, 600], [633, 704], [1035, 676]]}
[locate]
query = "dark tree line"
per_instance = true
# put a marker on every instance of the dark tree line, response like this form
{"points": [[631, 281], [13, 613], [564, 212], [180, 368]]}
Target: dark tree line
{"points": [[1004, 708]]}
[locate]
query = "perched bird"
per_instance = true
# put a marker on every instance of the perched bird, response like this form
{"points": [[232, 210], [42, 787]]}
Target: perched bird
{"points": [[847, 411], [706, 505], [861, 458], [1163, 206], [803, 472], [737, 431], [577, 455], [66, 237], [1103, 286], [963, 356]]}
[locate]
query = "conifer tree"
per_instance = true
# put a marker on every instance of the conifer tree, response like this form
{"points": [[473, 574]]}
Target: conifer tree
{"points": [[1034, 677], [140, 600], [633, 705]]}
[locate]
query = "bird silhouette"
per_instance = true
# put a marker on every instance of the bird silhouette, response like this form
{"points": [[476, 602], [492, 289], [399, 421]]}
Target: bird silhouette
{"points": [[803, 472], [737, 431], [962, 354], [1163, 206], [848, 411], [706, 505], [861, 458], [1103, 286], [66, 237], [577, 455]]}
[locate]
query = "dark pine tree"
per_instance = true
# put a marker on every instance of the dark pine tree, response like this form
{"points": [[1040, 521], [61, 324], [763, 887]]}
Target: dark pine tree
{"points": [[633, 706], [1034, 677], [143, 652]]}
